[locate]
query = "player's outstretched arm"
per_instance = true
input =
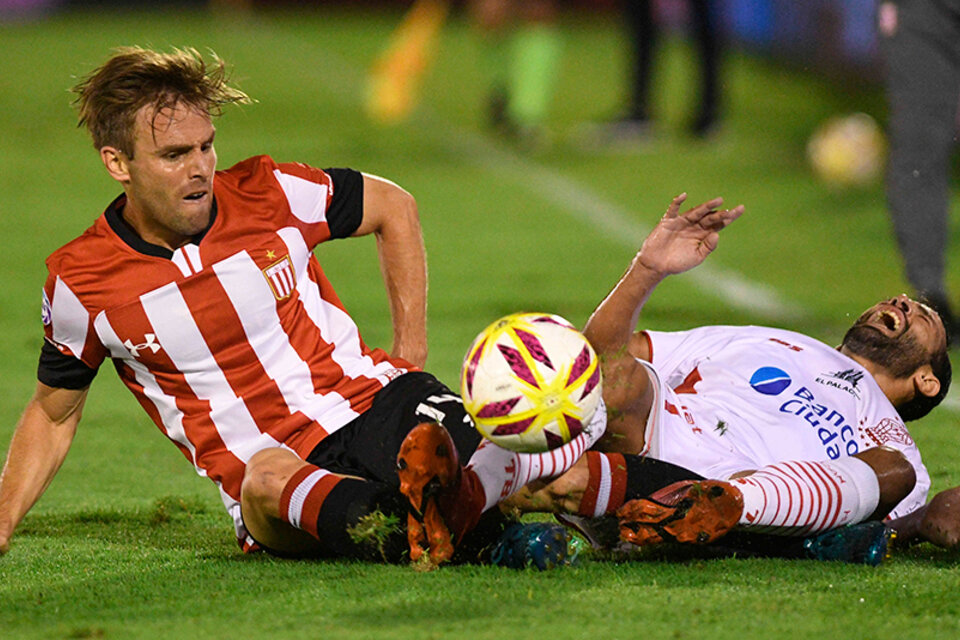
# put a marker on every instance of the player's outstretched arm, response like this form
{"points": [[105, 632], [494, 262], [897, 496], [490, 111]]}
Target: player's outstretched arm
{"points": [[678, 243], [39, 445], [390, 213]]}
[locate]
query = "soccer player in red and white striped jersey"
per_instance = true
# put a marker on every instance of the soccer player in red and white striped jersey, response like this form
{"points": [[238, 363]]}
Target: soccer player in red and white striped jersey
{"points": [[201, 286]]}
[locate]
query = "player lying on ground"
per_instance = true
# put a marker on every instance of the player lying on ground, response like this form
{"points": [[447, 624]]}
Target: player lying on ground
{"points": [[809, 437], [812, 436]]}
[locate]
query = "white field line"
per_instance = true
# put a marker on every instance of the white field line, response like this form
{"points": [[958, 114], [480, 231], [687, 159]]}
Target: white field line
{"points": [[606, 218]]}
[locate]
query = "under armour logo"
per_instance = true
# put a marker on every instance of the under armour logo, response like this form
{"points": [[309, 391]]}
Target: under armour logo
{"points": [[150, 343]]}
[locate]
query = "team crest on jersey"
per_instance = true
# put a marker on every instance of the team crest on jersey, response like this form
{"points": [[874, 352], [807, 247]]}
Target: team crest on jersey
{"points": [[889, 430], [281, 277]]}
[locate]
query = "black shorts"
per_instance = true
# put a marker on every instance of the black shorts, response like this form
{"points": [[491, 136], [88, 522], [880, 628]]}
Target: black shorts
{"points": [[367, 447]]}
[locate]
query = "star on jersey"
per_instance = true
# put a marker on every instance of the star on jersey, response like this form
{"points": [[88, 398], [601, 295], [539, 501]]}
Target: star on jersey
{"points": [[271, 255], [149, 342]]}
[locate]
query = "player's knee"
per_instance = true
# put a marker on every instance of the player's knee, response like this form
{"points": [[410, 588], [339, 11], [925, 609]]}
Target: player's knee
{"points": [[264, 478], [895, 475]]}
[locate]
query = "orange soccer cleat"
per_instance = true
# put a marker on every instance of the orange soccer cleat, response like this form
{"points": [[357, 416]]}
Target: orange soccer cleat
{"points": [[446, 501], [691, 511]]}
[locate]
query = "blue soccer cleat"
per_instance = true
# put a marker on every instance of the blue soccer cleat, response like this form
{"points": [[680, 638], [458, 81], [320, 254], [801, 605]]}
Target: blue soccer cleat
{"points": [[865, 543], [543, 545]]}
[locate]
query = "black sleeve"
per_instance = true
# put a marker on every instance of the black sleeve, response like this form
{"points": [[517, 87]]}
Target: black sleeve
{"points": [[346, 207], [62, 371]]}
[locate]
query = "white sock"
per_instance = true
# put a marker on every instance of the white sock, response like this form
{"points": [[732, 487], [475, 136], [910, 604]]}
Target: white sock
{"points": [[797, 498], [503, 472]]}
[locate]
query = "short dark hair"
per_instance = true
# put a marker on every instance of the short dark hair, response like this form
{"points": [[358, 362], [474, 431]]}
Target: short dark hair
{"points": [[109, 98], [921, 405]]}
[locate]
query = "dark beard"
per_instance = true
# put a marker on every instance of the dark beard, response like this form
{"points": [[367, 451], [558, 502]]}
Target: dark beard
{"points": [[899, 356]]}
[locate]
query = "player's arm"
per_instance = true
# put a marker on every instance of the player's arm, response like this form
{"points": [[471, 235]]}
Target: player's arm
{"points": [[678, 243], [37, 450], [390, 213], [938, 521]]}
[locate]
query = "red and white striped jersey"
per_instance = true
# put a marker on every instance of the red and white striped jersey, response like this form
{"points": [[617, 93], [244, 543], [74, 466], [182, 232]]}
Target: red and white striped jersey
{"points": [[235, 343], [732, 399]]}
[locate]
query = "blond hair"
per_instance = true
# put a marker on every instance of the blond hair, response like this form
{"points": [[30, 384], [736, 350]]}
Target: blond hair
{"points": [[109, 98]]}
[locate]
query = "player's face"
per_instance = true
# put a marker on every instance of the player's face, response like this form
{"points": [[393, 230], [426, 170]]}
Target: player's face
{"points": [[899, 334], [170, 176]]}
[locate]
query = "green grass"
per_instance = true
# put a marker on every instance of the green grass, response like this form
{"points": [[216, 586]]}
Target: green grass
{"points": [[129, 543]]}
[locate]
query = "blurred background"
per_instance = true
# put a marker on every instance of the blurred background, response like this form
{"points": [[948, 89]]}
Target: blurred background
{"points": [[832, 36]]}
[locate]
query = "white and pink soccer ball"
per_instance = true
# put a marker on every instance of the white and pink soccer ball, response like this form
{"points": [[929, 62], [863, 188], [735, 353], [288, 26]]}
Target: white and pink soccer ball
{"points": [[531, 382]]}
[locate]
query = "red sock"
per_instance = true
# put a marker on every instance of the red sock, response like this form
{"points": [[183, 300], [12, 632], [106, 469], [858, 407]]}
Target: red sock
{"points": [[606, 486], [617, 478], [303, 496]]}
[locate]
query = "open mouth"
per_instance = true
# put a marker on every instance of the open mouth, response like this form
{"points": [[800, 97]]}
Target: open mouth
{"points": [[889, 319], [197, 195]]}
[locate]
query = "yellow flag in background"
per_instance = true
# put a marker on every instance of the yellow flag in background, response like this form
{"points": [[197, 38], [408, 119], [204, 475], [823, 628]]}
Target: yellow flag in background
{"points": [[393, 88]]}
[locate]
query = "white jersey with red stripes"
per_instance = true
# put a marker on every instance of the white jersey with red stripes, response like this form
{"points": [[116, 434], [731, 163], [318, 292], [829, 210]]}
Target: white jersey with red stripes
{"points": [[234, 344], [732, 399]]}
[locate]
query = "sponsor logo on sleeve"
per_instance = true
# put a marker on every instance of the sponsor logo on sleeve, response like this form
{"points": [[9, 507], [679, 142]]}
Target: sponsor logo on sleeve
{"points": [[770, 381], [46, 310]]}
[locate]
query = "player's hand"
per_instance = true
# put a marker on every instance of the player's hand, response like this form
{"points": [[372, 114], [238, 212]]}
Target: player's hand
{"points": [[941, 522], [680, 242]]}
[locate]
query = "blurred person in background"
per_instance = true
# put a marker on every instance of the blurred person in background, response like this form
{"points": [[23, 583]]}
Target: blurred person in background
{"points": [[644, 32], [920, 42], [521, 52]]}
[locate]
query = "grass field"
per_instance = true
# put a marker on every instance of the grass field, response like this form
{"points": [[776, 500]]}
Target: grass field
{"points": [[129, 543]]}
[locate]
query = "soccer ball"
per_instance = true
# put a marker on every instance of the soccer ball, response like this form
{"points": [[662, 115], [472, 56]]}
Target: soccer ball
{"points": [[531, 382], [847, 151]]}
